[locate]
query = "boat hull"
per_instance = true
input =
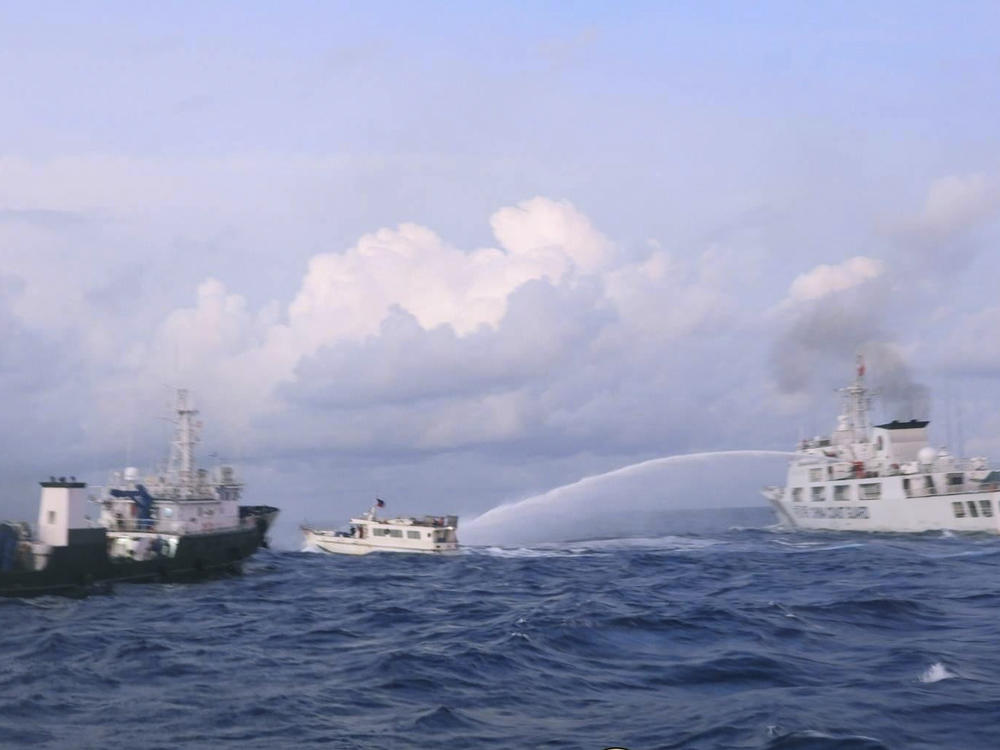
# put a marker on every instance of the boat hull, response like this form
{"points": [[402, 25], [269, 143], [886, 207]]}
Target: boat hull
{"points": [[264, 515], [345, 545], [963, 512], [79, 567]]}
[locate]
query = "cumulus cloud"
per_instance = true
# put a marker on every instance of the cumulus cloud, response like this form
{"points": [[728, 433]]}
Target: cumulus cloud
{"points": [[542, 328], [833, 313], [348, 294], [956, 203], [864, 305], [943, 232], [827, 279], [551, 232], [404, 341], [663, 298]]}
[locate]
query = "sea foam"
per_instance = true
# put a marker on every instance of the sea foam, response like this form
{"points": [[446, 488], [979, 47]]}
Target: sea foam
{"points": [[936, 672]]}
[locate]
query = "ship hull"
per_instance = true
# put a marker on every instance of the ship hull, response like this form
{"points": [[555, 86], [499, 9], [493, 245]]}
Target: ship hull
{"points": [[341, 545], [962, 512], [264, 516], [80, 567]]}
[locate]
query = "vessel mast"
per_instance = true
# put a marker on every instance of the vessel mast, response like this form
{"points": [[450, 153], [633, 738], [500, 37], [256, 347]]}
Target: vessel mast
{"points": [[182, 465], [856, 405]]}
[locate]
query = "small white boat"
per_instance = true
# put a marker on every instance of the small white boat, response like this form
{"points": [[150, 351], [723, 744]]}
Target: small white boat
{"points": [[434, 535]]}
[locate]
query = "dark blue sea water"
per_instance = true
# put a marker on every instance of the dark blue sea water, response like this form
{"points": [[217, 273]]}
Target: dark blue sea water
{"points": [[740, 638]]}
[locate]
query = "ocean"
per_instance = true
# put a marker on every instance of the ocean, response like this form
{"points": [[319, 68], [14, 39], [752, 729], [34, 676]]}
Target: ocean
{"points": [[738, 637]]}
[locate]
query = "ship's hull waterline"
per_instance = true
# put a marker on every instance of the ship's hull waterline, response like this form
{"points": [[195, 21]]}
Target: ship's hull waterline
{"points": [[348, 546], [85, 565]]}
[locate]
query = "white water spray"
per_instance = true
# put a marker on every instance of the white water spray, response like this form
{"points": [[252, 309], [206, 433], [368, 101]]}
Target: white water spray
{"points": [[621, 501]]}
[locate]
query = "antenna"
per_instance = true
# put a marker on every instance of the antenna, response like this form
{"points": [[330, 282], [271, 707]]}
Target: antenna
{"points": [[130, 431], [961, 437], [947, 411]]}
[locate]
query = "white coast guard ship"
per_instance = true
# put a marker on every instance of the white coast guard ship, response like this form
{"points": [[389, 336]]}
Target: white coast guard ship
{"points": [[368, 533], [884, 478]]}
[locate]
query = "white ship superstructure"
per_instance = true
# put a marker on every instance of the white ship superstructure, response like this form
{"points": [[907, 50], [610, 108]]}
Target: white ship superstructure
{"points": [[368, 533], [885, 477], [149, 513]]}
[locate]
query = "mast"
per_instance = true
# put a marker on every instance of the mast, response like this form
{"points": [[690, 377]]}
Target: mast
{"points": [[181, 467], [857, 402]]}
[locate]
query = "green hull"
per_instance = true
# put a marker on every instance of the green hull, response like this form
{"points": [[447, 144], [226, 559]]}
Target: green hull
{"points": [[84, 564]]}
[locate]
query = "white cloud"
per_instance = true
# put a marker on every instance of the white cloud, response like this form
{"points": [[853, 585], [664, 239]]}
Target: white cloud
{"points": [[956, 203], [827, 279], [950, 230], [552, 234], [406, 340], [663, 298]]}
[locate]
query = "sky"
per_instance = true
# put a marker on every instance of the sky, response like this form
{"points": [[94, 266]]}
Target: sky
{"points": [[457, 255]]}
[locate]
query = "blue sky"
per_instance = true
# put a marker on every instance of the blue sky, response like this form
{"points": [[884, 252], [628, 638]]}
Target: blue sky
{"points": [[578, 226]]}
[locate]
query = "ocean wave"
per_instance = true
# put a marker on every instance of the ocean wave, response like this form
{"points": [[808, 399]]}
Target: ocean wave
{"points": [[936, 672], [811, 739], [682, 641]]}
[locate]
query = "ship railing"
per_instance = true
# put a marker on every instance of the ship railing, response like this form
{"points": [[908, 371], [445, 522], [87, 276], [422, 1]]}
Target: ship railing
{"points": [[164, 526], [968, 488], [872, 470]]}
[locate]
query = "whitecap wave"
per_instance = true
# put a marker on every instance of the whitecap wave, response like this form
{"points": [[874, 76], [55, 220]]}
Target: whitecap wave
{"points": [[599, 546], [936, 672], [517, 552], [817, 546]]}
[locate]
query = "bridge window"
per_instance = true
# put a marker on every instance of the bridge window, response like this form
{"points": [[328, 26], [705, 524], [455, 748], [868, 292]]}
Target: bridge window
{"points": [[871, 491], [52, 516], [796, 494], [954, 479], [412, 534], [958, 509], [973, 511], [816, 475], [842, 492], [818, 494], [986, 508]]}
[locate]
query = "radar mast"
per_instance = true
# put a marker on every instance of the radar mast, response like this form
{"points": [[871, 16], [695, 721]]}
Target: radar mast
{"points": [[181, 466], [856, 403]]}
